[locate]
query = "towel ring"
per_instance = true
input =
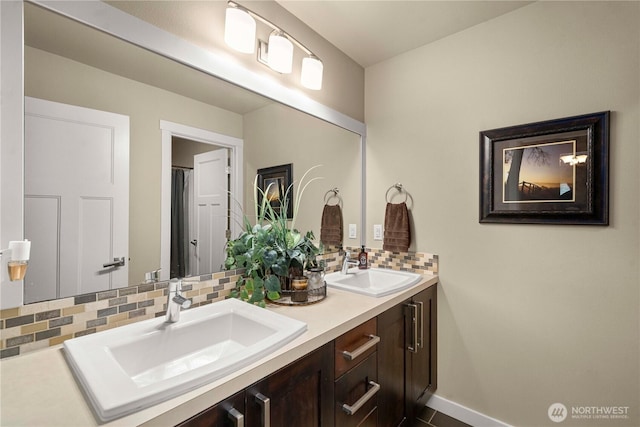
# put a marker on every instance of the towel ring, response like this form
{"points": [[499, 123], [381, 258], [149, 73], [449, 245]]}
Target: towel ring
{"points": [[398, 187], [333, 193]]}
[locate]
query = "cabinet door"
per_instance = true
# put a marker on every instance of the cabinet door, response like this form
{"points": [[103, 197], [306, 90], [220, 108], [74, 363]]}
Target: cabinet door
{"points": [[421, 358], [407, 358], [300, 394], [228, 413], [391, 366]]}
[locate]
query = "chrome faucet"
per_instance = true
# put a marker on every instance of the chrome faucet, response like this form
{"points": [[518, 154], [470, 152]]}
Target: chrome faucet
{"points": [[347, 262], [175, 301]]}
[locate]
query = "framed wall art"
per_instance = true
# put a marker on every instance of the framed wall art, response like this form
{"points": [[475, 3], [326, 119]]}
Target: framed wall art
{"points": [[551, 172], [274, 182]]}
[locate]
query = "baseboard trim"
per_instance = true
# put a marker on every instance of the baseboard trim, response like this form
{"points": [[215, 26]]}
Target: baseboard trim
{"points": [[462, 413]]}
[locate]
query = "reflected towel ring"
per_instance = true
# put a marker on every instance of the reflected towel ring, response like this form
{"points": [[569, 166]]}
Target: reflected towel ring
{"points": [[399, 189], [335, 195]]}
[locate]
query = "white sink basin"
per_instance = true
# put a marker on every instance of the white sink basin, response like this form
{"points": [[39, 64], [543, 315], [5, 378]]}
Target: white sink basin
{"points": [[132, 367], [376, 282]]}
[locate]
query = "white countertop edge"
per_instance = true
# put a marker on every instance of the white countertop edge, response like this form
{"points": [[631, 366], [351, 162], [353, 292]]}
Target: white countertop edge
{"points": [[38, 388]]}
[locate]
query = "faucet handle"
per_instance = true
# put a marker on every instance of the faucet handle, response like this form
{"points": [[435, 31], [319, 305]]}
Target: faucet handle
{"points": [[182, 301]]}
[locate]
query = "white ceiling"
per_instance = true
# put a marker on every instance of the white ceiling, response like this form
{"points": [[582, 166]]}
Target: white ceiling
{"points": [[371, 31]]}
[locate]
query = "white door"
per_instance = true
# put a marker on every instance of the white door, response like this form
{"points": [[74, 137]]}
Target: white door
{"points": [[210, 210], [76, 199]]}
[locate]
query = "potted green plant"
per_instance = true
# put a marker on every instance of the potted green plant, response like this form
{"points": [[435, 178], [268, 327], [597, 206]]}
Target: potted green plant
{"points": [[272, 251]]}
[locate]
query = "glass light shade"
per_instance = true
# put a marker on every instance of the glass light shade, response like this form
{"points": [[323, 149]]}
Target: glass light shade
{"points": [[240, 30], [311, 77], [280, 56]]}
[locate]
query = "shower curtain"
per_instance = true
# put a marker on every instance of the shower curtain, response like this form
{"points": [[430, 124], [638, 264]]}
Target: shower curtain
{"points": [[180, 214]]}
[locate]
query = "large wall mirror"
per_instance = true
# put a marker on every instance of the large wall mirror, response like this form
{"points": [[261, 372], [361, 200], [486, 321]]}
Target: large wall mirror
{"points": [[68, 63]]}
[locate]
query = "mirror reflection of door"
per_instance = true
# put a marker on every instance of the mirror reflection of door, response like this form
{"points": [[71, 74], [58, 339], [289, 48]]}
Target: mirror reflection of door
{"points": [[76, 199], [199, 207]]}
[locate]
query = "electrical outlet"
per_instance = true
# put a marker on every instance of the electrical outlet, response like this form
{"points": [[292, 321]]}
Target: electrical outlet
{"points": [[353, 231], [377, 232]]}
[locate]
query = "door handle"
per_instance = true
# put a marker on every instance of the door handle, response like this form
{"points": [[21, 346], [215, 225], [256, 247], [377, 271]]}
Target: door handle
{"points": [[352, 409], [265, 404], [373, 340], [236, 417], [117, 262]]}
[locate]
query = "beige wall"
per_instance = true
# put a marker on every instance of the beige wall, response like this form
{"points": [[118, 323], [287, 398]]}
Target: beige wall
{"points": [[529, 315], [276, 135], [58, 79]]}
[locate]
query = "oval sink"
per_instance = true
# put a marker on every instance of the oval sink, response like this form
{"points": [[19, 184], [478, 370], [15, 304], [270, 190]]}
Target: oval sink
{"points": [[133, 367], [376, 282]]}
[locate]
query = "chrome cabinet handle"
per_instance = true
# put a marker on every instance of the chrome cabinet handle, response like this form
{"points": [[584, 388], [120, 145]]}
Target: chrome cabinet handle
{"points": [[352, 409], [413, 347], [420, 342], [117, 262], [236, 417], [373, 340], [265, 404]]}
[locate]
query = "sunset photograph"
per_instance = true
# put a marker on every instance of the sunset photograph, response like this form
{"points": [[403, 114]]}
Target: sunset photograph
{"points": [[537, 173]]}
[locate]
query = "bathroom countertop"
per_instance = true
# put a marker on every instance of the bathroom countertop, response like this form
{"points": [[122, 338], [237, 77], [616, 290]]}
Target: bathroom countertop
{"points": [[39, 389]]}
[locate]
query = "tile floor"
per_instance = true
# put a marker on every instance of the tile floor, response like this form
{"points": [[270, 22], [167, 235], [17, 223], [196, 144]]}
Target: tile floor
{"points": [[433, 418]]}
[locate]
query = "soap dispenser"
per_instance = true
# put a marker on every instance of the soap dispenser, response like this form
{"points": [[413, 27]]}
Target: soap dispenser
{"points": [[363, 261]]}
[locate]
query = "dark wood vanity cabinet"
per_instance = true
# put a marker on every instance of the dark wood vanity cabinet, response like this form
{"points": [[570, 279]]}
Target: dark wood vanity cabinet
{"points": [[300, 394], [407, 358], [380, 373], [228, 413]]}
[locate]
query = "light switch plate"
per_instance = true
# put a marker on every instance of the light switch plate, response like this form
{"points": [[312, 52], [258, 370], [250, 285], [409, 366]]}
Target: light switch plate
{"points": [[377, 232], [353, 231]]}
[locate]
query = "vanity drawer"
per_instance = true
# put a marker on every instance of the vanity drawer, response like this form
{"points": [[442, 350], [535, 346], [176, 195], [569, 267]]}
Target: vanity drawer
{"points": [[355, 345], [356, 395]]}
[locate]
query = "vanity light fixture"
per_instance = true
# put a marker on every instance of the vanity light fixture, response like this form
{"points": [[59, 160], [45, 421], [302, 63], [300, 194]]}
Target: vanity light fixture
{"points": [[280, 52], [240, 30], [311, 73], [573, 159], [240, 34]]}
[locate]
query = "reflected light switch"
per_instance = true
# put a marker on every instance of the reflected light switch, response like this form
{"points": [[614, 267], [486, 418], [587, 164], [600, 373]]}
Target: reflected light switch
{"points": [[377, 232], [352, 231]]}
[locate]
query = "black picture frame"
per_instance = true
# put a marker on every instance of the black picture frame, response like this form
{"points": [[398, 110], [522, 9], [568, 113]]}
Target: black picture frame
{"points": [[562, 168], [276, 180]]}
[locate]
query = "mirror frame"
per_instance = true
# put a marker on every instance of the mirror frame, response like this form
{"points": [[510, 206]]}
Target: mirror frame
{"points": [[113, 21]]}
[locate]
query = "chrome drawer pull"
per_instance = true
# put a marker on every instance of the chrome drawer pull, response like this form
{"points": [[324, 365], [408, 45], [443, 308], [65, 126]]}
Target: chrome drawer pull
{"points": [[373, 340], [236, 417], [364, 399], [265, 404]]}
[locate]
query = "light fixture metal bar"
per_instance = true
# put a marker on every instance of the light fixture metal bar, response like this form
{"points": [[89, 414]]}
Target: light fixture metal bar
{"points": [[273, 26]]}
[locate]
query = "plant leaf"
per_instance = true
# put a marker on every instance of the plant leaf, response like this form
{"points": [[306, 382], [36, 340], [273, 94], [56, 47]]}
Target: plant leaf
{"points": [[273, 295], [272, 284]]}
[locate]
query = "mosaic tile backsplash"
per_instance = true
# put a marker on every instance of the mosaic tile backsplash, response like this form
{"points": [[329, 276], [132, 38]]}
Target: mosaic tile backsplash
{"points": [[49, 323]]}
